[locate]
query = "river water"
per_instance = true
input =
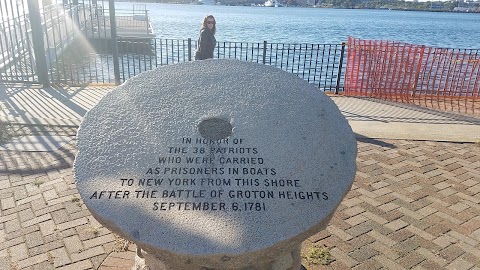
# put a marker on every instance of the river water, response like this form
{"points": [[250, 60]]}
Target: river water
{"points": [[315, 25]]}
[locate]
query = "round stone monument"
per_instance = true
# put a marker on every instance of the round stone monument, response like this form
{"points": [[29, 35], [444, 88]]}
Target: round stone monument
{"points": [[215, 164]]}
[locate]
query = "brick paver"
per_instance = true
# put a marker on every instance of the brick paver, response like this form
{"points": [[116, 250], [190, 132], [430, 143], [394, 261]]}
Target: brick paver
{"points": [[414, 205], [421, 209]]}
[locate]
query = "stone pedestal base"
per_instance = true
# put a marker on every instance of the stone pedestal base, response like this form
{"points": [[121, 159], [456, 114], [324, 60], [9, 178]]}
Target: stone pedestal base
{"points": [[288, 261], [220, 175]]}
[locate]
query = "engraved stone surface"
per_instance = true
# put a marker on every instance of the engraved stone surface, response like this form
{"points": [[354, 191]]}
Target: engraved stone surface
{"points": [[218, 164]]}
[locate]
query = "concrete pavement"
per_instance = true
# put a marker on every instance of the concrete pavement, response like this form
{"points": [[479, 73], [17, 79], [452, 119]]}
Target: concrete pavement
{"points": [[65, 106], [389, 120], [415, 202]]}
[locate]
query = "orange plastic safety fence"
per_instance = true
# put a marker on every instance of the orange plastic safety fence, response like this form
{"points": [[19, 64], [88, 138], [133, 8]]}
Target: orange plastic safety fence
{"points": [[448, 79]]}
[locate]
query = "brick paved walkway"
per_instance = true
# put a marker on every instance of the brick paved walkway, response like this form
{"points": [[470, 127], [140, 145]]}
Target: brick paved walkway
{"points": [[414, 205]]}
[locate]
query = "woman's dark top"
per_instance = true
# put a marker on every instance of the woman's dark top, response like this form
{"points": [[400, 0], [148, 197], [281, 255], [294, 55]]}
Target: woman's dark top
{"points": [[206, 44]]}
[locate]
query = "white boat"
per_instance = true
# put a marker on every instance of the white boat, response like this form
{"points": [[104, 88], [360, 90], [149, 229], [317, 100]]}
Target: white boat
{"points": [[206, 2], [269, 3]]}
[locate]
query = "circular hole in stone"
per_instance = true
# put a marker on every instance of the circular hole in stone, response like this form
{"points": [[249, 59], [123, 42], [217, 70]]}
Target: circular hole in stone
{"points": [[215, 129]]}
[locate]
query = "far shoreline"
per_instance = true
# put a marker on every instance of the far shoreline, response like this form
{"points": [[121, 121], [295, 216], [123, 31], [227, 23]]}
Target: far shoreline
{"points": [[477, 11]]}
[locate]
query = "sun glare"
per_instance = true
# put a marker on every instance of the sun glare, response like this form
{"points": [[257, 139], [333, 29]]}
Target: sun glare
{"points": [[77, 33]]}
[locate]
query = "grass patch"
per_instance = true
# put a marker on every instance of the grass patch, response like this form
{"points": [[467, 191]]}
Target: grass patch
{"points": [[318, 255], [77, 201], [6, 132], [94, 230], [120, 244], [38, 183]]}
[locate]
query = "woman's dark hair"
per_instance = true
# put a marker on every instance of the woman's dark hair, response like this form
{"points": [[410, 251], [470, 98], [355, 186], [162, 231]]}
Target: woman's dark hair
{"points": [[204, 24]]}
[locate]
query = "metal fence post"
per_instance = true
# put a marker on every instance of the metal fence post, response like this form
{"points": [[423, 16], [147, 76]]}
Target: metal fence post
{"points": [[264, 60], [189, 49], [76, 13], [113, 33], [38, 42], [148, 22], [339, 75]]}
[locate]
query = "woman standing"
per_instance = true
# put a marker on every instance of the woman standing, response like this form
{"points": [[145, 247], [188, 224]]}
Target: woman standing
{"points": [[206, 41]]}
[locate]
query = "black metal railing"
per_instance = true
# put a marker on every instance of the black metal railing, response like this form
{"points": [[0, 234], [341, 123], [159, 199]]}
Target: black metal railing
{"points": [[57, 26], [319, 64], [16, 55], [77, 48]]}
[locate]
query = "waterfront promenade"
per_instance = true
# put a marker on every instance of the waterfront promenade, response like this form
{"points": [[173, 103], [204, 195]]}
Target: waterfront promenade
{"points": [[415, 202]]}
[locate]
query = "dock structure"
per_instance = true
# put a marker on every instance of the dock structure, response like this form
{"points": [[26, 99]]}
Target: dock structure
{"points": [[131, 26], [133, 29], [131, 23]]}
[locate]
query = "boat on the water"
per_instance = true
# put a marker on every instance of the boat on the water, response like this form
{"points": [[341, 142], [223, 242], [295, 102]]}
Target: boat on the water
{"points": [[272, 3]]}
